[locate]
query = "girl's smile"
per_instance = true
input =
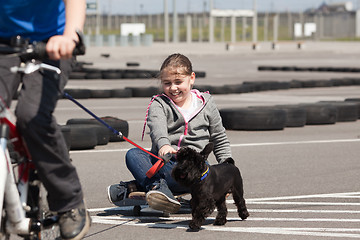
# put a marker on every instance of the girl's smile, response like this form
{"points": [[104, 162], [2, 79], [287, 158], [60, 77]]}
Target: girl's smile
{"points": [[177, 87]]}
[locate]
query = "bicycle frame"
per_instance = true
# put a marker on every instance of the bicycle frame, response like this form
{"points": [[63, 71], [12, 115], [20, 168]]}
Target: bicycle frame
{"points": [[12, 194]]}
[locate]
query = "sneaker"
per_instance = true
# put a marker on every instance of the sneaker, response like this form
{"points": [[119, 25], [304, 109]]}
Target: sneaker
{"points": [[118, 192], [161, 198], [74, 224]]}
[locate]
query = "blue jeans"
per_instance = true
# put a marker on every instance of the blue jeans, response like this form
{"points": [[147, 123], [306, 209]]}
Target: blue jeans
{"points": [[139, 162]]}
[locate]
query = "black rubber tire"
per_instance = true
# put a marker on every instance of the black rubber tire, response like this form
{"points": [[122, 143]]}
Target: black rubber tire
{"points": [[320, 113], [132, 64], [95, 74], [66, 131], [121, 93], [144, 91], [100, 93], [295, 115], [200, 74], [356, 101], [238, 88], [346, 111], [116, 123], [257, 118], [111, 74], [78, 93], [316, 83], [296, 84], [130, 74], [77, 75], [83, 136]]}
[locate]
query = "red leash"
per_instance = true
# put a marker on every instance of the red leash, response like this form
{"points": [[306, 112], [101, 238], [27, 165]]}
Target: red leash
{"points": [[154, 169]]}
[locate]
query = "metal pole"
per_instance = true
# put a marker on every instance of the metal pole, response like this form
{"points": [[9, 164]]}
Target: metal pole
{"points": [[97, 18], [188, 28], [254, 26], [166, 22], [233, 29], [211, 23], [175, 23]]}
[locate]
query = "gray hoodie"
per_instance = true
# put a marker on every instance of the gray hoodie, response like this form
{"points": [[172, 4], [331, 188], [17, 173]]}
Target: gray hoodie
{"points": [[168, 126]]}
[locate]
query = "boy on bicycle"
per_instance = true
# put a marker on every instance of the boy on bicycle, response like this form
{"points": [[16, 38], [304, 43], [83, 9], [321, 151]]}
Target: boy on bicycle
{"points": [[54, 22]]}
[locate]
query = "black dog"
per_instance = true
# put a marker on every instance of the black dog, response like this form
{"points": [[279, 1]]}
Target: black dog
{"points": [[209, 185]]}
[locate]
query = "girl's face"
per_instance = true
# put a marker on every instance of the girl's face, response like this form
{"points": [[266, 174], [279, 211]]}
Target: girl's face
{"points": [[177, 86]]}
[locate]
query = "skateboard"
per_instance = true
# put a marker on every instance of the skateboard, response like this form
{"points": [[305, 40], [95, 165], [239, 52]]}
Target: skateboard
{"points": [[138, 199]]}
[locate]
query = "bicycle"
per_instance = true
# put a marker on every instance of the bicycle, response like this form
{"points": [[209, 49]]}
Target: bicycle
{"points": [[23, 204]]}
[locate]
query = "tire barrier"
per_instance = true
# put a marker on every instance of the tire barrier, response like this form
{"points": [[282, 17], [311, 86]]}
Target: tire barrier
{"points": [[116, 123], [356, 101], [83, 136], [66, 131], [310, 69], [320, 113], [298, 115], [346, 111], [256, 118], [295, 115], [131, 73], [245, 87]]}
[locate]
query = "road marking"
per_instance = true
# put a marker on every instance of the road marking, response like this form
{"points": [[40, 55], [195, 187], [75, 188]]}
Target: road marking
{"points": [[129, 208], [235, 145], [319, 232], [341, 233], [331, 195]]}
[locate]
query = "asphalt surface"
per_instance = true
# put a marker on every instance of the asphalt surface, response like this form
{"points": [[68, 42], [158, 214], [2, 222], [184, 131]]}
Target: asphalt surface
{"points": [[300, 183]]}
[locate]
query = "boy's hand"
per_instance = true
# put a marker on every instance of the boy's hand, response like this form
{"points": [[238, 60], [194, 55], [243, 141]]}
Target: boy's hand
{"points": [[60, 47]]}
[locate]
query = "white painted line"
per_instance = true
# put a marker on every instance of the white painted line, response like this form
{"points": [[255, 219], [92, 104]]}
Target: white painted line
{"points": [[318, 232], [302, 203], [238, 145], [298, 211], [172, 218], [129, 208], [331, 195], [295, 142]]}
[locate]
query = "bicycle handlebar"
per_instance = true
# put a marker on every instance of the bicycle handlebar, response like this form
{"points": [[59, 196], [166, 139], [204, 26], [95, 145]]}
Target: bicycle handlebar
{"points": [[37, 50]]}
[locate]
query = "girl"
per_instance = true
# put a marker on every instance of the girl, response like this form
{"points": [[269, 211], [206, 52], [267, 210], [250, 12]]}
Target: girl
{"points": [[180, 116]]}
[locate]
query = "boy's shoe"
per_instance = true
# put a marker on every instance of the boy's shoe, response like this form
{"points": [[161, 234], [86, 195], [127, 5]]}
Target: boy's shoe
{"points": [[161, 198], [118, 192], [74, 224]]}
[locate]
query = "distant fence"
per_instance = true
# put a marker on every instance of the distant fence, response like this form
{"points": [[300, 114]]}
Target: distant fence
{"points": [[329, 26]]}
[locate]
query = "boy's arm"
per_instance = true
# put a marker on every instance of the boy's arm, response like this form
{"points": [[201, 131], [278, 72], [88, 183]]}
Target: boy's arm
{"points": [[62, 46]]}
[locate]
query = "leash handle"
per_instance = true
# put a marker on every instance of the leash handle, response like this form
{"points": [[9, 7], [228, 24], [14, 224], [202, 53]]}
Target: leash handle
{"points": [[158, 165]]}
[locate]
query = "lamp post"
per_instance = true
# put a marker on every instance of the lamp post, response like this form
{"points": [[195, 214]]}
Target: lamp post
{"points": [[166, 22], [175, 23], [211, 22], [254, 26]]}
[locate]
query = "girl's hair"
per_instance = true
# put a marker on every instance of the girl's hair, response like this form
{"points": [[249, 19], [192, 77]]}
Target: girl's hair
{"points": [[176, 62]]}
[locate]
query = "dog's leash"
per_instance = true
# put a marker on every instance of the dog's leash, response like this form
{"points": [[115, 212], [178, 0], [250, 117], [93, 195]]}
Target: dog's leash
{"points": [[155, 168]]}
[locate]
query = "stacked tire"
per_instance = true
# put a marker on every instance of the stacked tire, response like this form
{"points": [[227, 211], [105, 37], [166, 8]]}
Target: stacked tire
{"points": [[280, 116], [83, 133]]}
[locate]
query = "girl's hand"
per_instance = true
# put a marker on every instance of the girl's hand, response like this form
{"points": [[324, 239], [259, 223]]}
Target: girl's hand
{"points": [[166, 149]]}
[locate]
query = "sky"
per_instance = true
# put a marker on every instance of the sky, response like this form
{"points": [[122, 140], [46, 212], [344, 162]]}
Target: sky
{"points": [[183, 6]]}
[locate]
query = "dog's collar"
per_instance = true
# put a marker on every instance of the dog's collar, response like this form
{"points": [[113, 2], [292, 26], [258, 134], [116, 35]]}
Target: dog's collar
{"points": [[205, 174]]}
